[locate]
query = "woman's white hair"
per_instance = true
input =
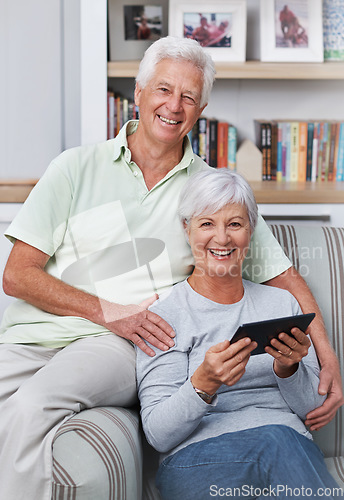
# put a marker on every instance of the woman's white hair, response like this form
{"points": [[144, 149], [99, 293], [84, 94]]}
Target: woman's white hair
{"points": [[185, 49], [208, 191]]}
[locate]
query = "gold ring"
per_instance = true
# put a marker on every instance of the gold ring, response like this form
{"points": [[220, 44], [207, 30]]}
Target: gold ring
{"points": [[291, 352]]}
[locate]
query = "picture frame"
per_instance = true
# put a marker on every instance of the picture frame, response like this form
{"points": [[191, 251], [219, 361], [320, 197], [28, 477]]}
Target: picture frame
{"points": [[291, 31], [219, 26], [333, 30], [124, 19]]}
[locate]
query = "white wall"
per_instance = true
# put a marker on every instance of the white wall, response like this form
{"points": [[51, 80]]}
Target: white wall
{"points": [[52, 81], [30, 86]]}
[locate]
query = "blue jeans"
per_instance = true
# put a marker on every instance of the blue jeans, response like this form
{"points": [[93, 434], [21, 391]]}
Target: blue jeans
{"points": [[264, 462]]}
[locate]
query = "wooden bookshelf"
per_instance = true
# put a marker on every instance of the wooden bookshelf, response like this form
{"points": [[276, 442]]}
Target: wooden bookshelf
{"points": [[15, 191], [265, 191], [251, 70], [298, 192]]}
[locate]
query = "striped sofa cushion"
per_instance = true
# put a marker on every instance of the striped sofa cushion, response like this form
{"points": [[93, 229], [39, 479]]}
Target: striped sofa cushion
{"points": [[318, 254], [97, 455]]}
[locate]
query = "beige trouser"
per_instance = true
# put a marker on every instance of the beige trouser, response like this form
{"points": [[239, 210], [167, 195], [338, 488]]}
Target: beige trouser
{"points": [[39, 389]]}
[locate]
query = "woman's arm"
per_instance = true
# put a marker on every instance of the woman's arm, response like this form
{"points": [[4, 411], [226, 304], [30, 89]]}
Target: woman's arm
{"points": [[300, 390], [170, 407], [330, 378]]}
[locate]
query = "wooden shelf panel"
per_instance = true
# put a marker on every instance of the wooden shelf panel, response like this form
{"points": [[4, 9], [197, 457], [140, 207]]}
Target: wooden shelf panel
{"points": [[298, 192], [16, 191], [265, 192], [251, 70]]}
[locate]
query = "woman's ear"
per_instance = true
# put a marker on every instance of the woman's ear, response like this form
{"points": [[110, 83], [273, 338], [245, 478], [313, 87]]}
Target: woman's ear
{"points": [[186, 230]]}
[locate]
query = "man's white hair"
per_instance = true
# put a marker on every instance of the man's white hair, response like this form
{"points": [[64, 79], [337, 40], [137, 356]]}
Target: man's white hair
{"points": [[177, 48]]}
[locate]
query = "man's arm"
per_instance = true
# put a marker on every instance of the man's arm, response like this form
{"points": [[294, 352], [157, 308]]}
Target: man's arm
{"points": [[330, 378], [24, 278]]}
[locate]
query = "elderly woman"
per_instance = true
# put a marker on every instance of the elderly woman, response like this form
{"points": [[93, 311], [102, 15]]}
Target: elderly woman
{"points": [[227, 423]]}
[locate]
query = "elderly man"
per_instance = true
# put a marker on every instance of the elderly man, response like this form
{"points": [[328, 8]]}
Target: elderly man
{"points": [[94, 242]]}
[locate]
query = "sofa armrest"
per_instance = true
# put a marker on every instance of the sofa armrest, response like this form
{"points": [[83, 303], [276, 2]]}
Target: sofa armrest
{"points": [[97, 454]]}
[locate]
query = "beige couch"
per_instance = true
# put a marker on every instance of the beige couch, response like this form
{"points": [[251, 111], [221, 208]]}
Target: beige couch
{"points": [[98, 453]]}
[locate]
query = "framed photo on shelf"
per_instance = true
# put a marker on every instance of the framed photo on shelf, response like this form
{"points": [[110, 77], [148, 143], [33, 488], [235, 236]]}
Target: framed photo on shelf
{"points": [[219, 26], [291, 31], [333, 30], [134, 25]]}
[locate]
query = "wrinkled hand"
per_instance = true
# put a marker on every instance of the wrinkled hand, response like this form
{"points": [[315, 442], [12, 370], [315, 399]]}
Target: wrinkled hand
{"points": [[288, 351], [137, 324], [330, 384], [223, 364]]}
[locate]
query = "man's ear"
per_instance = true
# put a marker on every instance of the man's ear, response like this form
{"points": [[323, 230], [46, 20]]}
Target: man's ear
{"points": [[202, 109], [137, 94]]}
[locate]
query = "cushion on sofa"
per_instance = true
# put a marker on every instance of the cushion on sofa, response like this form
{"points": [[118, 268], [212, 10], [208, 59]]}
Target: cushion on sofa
{"points": [[97, 455]]}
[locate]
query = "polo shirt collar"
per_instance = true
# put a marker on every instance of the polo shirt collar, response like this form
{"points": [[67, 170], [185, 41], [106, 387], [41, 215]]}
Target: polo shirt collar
{"points": [[121, 145], [121, 141]]}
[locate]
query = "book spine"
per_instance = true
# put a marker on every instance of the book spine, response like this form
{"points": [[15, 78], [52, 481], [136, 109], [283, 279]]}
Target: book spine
{"points": [[340, 160], [279, 167], [325, 152], [195, 138], [315, 152], [268, 150], [207, 144], [302, 160], [331, 165], [125, 111], [119, 114], [320, 150], [274, 146], [336, 150], [294, 151], [310, 134], [288, 151], [222, 145], [232, 147], [213, 143], [203, 138], [111, 115], [264, 150]]}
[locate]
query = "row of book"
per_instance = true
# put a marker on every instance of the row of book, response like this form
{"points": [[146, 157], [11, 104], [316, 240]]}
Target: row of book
{"points": [[301, 150], [215, 142], [119, 111]]}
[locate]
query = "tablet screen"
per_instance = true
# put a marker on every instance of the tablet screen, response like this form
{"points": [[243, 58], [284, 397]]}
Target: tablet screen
{"points": [[263, 331]]}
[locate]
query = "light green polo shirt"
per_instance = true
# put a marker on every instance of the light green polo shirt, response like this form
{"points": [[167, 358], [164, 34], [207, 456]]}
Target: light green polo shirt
{"points": [[92, 213]]}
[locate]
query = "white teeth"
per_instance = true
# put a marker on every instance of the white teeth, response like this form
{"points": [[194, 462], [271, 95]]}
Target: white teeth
{"points": [[221, 253], [166, 120]]}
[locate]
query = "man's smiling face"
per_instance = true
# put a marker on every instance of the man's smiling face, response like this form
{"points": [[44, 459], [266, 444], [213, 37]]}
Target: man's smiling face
{"points": [[170, 103]]}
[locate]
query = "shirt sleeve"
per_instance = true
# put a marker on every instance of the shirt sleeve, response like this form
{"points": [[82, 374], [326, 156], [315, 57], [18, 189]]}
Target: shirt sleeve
{"points": [[265, 259], [300, 391], [170, 408], [41, 222]]}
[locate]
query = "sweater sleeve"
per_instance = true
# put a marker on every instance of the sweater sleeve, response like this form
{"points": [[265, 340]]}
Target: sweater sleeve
{"points": [[300, 391], [170, 408]]}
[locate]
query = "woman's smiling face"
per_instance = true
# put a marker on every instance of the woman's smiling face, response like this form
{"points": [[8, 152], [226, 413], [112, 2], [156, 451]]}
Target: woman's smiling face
{"points": [[220, 241]]}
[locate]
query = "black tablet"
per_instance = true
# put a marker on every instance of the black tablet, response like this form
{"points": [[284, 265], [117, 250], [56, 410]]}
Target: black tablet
{"points": [[263, 331]]}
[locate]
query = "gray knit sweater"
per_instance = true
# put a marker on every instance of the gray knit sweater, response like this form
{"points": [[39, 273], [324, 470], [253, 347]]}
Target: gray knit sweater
{"points": [[174, 416]]}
